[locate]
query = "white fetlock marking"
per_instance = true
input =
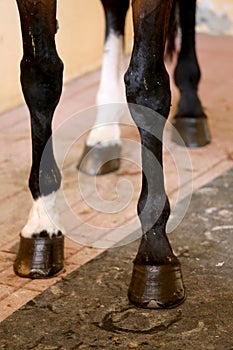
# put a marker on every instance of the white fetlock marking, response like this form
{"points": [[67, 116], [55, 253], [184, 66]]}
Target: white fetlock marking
{"points": [[111, 93], [42, 217], [105, 134], [111, 87]]}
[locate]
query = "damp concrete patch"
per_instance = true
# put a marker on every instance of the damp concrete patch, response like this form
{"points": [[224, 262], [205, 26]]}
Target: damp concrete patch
{"points": [[89, 309]]}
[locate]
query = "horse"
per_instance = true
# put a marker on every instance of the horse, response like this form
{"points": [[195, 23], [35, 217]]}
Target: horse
{"points": [[157, 277]]}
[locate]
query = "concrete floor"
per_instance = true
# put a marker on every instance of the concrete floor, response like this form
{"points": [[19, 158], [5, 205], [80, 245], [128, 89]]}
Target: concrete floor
{"points": [[89, 308], [94, 231]]}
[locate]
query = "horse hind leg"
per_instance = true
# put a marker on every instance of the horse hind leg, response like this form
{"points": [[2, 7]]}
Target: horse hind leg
{"points": [[190, 120], [41, 246], [103, 146], [156, 280]]}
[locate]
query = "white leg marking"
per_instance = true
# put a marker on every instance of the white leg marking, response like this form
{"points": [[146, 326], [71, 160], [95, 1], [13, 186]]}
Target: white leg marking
{"points": [[42, 217], [111, 93]]}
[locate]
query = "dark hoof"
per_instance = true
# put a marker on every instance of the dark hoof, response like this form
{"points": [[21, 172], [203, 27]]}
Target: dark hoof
{"points": [[193, 131], [156, 287], [39, 257], [100, 159]]}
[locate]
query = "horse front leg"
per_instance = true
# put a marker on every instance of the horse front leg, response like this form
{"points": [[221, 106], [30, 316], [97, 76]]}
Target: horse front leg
{"points": [[156, 280], [190, 119], [103, 146], [41, 248]]}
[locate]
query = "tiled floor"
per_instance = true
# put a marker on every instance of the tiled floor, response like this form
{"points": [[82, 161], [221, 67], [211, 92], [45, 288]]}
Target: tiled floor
{"points": [[95, 228]]}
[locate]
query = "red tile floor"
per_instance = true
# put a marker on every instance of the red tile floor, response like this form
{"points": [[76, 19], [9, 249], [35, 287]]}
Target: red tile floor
{"points": [[98, 228]]}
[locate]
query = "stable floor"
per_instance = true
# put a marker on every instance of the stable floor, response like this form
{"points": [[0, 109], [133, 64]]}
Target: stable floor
{"points": [[98, 213]]}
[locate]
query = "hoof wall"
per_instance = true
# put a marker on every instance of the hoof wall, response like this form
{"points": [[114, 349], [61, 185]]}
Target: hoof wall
{"points": [[156, 287], [39, 257], [193, 131], [100, 159]]}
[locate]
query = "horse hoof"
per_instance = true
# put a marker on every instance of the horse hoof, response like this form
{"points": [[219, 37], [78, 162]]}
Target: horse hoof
{"points": [[156, 286], [39, 257], [100, 159], [193, 131]]}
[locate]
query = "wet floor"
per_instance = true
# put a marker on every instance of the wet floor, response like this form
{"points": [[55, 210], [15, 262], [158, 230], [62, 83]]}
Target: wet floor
{"points": [[89, 309]]}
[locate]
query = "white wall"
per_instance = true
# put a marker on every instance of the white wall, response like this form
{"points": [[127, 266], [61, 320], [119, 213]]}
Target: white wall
{"points": [[215, 16]]}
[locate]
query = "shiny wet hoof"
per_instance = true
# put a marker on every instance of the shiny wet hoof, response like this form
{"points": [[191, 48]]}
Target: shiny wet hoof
{"points": [[100, 159], [156, 287], [40, 256], [193, 131]]}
